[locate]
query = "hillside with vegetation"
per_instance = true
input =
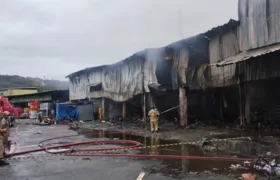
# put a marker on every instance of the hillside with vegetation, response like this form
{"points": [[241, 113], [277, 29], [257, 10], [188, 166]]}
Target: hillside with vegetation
{"points": [[14, 81]]}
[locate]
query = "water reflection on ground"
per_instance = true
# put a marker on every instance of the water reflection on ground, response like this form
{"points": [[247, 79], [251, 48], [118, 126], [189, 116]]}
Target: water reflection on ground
{"points": [[152, 147]]}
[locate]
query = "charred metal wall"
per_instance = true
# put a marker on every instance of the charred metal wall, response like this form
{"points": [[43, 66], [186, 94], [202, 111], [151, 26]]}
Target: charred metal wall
{"points": [[263, 96], [259, 23], [223, 76], [126, 79], [120, 82], [221, 48], [190, 61], [259, 27], [260, 68]]}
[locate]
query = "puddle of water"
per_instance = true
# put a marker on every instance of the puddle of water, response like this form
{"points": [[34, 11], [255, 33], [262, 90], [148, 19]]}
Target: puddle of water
{"points": [[251, 147], [175, 165]]}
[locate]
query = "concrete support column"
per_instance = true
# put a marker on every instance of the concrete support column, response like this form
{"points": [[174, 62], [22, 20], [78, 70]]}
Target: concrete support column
{"points": [[183, 106], [123, 110], [103, 108], [241, 101], [144, 108]]}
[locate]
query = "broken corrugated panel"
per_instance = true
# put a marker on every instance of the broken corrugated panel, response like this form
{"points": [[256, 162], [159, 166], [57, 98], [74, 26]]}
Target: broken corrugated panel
{"points": [[229, 44], [215, 50], [123, 82], [223, 76], [250, 54], [119, 82], [150, 65], [260, 69], [222, 47], [202, 76]]}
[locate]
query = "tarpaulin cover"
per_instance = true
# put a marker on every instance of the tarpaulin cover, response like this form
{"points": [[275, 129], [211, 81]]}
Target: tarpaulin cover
{"points": [[66, 112]]}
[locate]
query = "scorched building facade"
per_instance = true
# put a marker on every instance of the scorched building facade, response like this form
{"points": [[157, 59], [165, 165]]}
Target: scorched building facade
{"points": [[229, 70]]}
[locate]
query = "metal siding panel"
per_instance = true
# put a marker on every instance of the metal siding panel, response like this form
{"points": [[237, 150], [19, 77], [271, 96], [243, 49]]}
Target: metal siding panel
{"points": [[223, 47], [243, 28], [260, 69], [223, 76], [262, 95], [261, 23], [261, 27], [120, 82], [229, 44], [202, 75], [214, 50], [124, 82], [85, 111], [273, 21], [253, 53], [150, 65], [77, 87]]}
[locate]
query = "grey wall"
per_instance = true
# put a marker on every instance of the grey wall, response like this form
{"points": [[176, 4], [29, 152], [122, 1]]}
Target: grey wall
{"points": [[85, 111], [259, 23]]}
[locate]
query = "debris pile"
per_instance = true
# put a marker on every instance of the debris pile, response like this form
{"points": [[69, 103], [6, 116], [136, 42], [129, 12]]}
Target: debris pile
{"points": [[245, 166], [74, 125], [271, 168]]}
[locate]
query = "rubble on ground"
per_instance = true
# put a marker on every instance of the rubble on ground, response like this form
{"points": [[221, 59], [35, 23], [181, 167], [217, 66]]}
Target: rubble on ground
{"points": [[269, 167], [74, 125]]}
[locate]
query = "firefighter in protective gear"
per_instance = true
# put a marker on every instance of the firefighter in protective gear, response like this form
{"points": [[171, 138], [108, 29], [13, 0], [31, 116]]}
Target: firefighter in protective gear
{"points": [[154, 116], [4, 133]]}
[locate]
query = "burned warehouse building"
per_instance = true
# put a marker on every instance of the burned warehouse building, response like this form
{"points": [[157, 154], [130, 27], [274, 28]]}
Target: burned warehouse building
{"points": [[228, 74]]}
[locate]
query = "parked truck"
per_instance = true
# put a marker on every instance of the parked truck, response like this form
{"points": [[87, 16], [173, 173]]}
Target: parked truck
{"points": [[5, 105]]}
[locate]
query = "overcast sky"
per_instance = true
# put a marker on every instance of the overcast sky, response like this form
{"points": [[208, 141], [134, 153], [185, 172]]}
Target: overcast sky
{"points": [[53, 38]]}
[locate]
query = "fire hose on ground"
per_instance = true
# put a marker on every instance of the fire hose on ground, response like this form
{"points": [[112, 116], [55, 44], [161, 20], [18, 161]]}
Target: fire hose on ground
{"points": [[85, 152]]}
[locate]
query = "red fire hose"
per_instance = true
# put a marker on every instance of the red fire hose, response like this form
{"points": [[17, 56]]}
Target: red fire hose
{"points": [[134, 144]]}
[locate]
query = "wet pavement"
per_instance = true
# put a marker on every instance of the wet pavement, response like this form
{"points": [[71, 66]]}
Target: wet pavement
{"points": [[117, 168], [175, 167]]}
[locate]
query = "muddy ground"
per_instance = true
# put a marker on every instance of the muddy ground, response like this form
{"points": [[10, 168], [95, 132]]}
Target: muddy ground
{"points": [[49, 167]]}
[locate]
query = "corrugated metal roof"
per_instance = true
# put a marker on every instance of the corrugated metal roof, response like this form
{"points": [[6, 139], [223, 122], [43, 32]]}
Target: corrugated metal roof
{"points": [[87, 69], [215, 31], [191, 40], [96, 68], [249, 54], [42, 93], [24, 88]]}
